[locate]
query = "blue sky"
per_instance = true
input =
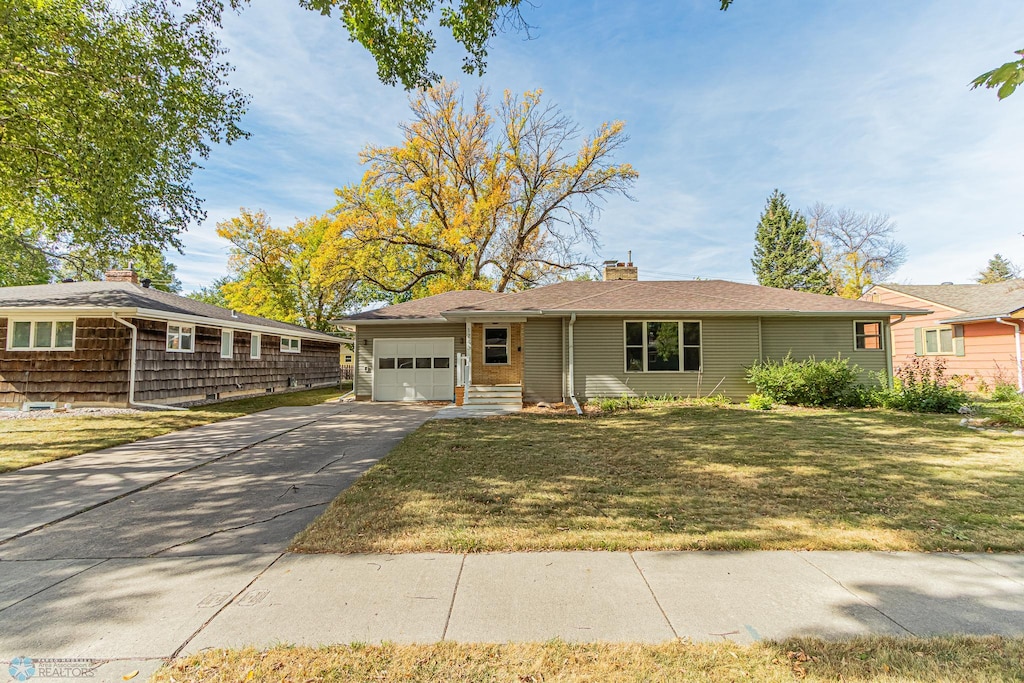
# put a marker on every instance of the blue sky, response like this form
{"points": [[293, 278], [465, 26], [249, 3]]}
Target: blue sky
{"points": [[861, 104]]}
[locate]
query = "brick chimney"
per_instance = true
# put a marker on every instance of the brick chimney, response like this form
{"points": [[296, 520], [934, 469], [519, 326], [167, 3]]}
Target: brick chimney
{"points": [[116, 275], [617, 270]]}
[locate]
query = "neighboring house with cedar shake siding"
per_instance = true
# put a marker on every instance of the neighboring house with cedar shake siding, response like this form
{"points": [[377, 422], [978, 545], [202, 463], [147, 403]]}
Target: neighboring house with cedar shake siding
{"points": [[574, 341], [120, 343], [976, 329]]}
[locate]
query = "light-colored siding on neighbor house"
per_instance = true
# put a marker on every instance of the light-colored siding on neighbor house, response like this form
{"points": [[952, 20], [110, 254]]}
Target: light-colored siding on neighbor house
{"points": [[728, 345], [365, 334], [542, 362], [989, 350], [822, 338]]}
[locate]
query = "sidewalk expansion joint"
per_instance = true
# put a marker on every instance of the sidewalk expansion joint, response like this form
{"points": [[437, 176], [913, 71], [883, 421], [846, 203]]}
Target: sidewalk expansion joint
{"points": [[223, 607], [455, 591], [852, 594], [57, 583], [163, 479], [655, 597], [988, 569], [236, 528]]}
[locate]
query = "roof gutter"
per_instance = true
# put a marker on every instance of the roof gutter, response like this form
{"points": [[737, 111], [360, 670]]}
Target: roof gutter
{"points": [[131, 369], [154, 314], [673, 313], [1020, 360]]}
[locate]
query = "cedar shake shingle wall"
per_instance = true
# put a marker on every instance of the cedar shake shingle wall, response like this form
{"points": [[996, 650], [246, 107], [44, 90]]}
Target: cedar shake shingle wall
{"points": [[96, 372], [167, 377], [491, 375], [989, 350]]}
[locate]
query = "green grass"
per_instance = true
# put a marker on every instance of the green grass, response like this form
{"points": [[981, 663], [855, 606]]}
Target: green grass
{"points": [[1008, 414], [879, 659], [686, 478], [30, 442]]}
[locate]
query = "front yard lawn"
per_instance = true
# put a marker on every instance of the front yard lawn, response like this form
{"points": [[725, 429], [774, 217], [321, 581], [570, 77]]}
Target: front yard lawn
{"points": [[33, 441], [799, 659], [686, 478]]}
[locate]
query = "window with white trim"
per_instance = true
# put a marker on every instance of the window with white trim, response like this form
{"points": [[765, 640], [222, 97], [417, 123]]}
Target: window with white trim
{"points": [[180, 338], [868, 335], [227, 344], [496, 345], [663, 346], [40, 335], [938, 341], [255, 341], [291, 345]]}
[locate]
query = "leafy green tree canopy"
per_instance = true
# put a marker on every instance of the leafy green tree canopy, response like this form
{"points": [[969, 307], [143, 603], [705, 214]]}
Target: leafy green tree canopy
{"points": [[104, 110], [783, 255]]}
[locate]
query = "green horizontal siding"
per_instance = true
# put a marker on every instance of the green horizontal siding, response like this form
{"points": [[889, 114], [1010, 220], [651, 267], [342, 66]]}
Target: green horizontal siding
{"points": [[822, 338], [542, 360], [728, 344]]}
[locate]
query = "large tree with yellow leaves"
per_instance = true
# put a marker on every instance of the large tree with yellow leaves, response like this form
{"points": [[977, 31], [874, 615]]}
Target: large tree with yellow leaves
{"points": [[475, 198]]}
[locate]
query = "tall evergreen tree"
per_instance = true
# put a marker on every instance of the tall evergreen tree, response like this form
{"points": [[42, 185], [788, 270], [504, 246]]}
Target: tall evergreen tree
{"points": [[999, 269], [783, 255]]}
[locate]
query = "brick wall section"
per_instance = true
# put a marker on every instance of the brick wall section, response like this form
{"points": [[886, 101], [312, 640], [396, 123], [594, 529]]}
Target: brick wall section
{"points": [[490, 375], [163, 376], [96, 372]]}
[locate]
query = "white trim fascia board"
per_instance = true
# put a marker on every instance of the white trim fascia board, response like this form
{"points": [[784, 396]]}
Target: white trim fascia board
{"points": [[203, 321], [917, 298], [490, 317], [28, 312], [389, 321], [767, 313], [975, 319]]}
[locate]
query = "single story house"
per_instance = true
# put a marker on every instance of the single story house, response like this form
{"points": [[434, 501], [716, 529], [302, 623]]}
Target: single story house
{"points": [[121, 343], [976, 329], [574, 341]]}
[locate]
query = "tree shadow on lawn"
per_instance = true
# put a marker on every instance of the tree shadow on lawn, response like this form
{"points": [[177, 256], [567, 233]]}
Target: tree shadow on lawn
{"points": [[686, 478]]}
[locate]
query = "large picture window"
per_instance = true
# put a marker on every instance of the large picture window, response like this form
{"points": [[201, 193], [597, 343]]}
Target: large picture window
{"points": [[495, 346], [41, 335], [180, 338], [663, 346]]}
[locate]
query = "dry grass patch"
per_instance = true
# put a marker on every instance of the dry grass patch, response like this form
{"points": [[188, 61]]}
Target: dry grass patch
{"points": [[31, 442], [806, 659], [686, 478]]}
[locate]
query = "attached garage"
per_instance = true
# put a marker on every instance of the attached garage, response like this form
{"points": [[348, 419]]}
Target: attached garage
{"points": [[417, 369]]}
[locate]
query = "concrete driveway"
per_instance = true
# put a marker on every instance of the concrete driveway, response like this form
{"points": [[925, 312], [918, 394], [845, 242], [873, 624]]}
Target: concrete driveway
{"points": [[102, 554]]}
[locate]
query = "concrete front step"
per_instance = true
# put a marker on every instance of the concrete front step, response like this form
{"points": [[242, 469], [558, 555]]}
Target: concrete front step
{"points": [[508, 395]]}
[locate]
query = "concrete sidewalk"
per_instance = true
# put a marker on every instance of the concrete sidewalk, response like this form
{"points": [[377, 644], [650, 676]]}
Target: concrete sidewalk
{"points": [[140, 612]]}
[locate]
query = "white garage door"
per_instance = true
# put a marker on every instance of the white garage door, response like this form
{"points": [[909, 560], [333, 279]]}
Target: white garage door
{"points": [[414, 369]]}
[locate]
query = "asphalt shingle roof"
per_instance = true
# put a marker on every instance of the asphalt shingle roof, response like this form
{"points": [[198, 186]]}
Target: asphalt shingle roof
{"points": [[991, 300], [128, 295], [691, 296]]}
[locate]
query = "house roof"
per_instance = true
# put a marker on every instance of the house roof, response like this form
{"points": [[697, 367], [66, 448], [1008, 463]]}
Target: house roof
{"points": [[613, 297], [132, 299], [429, 308], [974, 301]]}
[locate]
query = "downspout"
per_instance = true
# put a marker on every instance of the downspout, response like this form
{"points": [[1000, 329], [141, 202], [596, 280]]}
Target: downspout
{"points": [[1020, 359], [131, 371], [572, 371], [889, 351]]}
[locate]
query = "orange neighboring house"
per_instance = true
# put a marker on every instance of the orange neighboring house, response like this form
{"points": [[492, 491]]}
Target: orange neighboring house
{"points": [[976, 329]]}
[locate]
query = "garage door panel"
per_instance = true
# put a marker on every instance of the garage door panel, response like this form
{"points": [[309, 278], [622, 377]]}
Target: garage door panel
{"points": [[422, 370]]}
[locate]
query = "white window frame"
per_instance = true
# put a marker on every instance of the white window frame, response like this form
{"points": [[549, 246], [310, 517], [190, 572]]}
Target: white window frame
{"points": [[32, 334], [880, 335], [507, 345], [286, 345], [181, 333], [229, 336], [938, 340], [682, 347], [255, 345]]}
